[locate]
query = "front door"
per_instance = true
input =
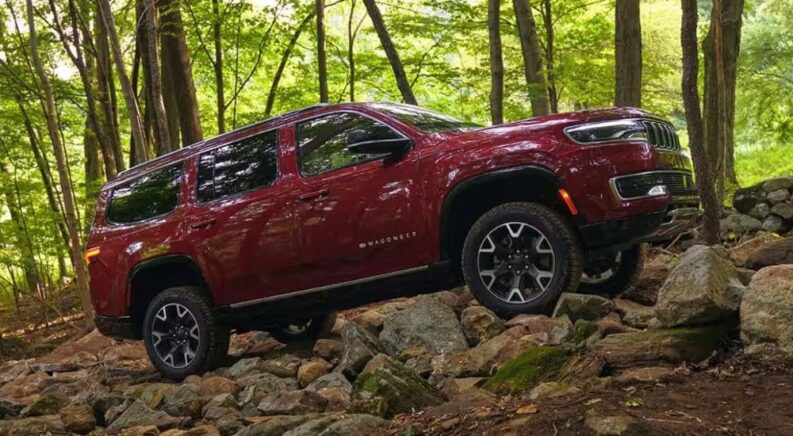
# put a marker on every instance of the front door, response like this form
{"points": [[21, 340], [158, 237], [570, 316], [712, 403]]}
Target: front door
{"points": [[357, 215]]}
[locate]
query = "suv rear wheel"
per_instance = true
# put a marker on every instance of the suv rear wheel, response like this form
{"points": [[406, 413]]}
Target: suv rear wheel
{"points": [[181, 334], [616, 274], [519, 257], [307, 329]]}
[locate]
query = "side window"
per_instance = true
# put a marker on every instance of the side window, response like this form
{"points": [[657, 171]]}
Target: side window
{"points": [[242, 166], [146, 197], [323, 141]]}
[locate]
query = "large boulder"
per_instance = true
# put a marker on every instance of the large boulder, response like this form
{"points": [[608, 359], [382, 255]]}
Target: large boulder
{"points": [[692, 344], [777, 252], [743, 251], [529, 368], [767, 313], [359, 347], [480, 324], [393, 389], [704, 287], [582, 306], [427, 323]]}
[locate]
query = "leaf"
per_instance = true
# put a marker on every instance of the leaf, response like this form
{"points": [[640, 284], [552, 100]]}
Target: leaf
{"points": [[527, 410]]}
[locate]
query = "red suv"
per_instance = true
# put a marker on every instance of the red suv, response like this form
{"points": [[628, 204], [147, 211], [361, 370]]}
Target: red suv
{"points": [[278, 225]]}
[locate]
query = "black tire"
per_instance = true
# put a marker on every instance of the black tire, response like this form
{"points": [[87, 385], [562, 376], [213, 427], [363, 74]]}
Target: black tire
{"points": [[616, 276], [310, 329], [565, 251], [209, 343]]}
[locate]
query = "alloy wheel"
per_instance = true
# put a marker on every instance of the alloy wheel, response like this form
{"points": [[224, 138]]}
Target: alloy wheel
{"points": [[175, 335], [516, 262], [594, 277]]}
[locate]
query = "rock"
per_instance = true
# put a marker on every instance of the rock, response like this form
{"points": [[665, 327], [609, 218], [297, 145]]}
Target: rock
{"points": [[703, 288], [657, 267], [528, 369], [35, 426], [201, 430], [783, 210], [745, 275], [371, 320], [582, 306], [140, 430], [427, 323], [421, 365], [139, 414], [741, 252], [552, 390], [328, 349], [257, 386], [480, 324], [43, 405], [187, 400], [285, 365], [331, 380], [78, 418], [275, 426], [244, 367], [467, 388], [338, 399], [338, 425], [778, 183], [609, 425], [556, 330], [744, 199], [611, 324], [448, 298], [359, 346], [773, 223], [766, 313], [760, 211], [692, 344], [292, 403], [216, 385], [492, 353], [25, 386], [581, 367], [583, 331], [778, 196], [778, 252], [9, 408], [634, 314], [451, 365], [312, 370], [224, 401], [647, 374], [229, 425], [400, 389], [151, 394]]}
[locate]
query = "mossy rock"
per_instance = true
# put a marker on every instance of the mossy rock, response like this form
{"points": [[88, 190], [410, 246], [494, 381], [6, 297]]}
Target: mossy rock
{"points": [[582, 330], [528, 369], [400, 388], [692, 344]]}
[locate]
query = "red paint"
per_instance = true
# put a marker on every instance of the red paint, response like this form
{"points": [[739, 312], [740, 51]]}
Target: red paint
{"points": [[303, 233]]}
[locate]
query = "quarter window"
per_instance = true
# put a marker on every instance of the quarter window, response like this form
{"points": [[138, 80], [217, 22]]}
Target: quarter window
{"points": [[323, 141], [152, 195], [239, 167]]}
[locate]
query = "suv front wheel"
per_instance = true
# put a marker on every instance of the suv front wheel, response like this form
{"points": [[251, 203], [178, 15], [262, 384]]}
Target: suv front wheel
{"points": [[181, 334], [616, 274], [519, 257]]}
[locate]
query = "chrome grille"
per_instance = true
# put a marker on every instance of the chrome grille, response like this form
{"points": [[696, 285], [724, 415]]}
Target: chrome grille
{"points": [[661, 135]]}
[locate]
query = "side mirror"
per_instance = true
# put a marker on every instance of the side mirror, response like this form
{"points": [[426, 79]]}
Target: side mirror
{"points": [[394, 146]]}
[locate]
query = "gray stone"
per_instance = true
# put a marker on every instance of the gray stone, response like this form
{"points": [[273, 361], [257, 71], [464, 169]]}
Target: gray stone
{"points": [[78, 418], [427, 323], [778, 183], [775, 224], [9, 408], [767, 314], [392, 389], [331, 380], [359, 346], [614, 425], [783, 210], [257, 386], [338, 425], [778, 196], [480, 324], [35, 426], [777, 252], [140, 414], [760, 211], [704, 287], [184, 401], [292, 403], [582, 306], [745, 198], [552, 390]]}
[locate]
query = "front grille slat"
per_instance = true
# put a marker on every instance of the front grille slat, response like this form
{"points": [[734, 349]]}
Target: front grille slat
{"points": [[677, 184], [661, 135]]}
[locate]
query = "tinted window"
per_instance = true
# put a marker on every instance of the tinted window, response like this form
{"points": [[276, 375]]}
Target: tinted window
{"points": [[242, 166], [149, 196], [424, 119], [323, 141]]}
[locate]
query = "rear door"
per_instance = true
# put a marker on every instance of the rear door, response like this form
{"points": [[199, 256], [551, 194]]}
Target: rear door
{"points": [[242, 223], [357, 215]]}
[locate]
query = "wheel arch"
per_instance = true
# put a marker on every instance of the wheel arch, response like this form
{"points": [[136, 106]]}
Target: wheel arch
{"points": [[471, 198], [152, 276]]}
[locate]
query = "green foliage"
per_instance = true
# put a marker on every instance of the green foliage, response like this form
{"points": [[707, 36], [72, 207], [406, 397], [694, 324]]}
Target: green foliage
{"points": [[528, 369]]}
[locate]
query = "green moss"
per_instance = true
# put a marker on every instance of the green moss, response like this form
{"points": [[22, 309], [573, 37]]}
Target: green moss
{"points": [[528, 369], [582, 330], [400, 389]]}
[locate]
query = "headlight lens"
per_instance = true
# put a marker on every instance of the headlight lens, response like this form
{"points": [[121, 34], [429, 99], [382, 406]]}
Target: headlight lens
{"points": [[607, 131]]}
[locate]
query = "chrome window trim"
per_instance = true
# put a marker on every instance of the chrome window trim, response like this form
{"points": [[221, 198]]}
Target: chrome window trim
{"points": [[616, 193]]}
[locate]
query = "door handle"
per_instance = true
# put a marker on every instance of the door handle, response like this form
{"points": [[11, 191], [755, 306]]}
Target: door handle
{"points": [[202, 224], [315, 194]]}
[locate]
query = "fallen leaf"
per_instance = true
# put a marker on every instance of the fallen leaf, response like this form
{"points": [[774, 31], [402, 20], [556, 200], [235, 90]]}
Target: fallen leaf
{"points": [[525, 410]]}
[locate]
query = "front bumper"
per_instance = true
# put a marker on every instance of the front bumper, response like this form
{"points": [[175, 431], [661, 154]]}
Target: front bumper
{"points": [[116, 326]]}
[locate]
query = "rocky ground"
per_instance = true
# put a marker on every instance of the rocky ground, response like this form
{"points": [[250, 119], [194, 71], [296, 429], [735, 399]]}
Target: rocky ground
{"points": [[700, 345]]}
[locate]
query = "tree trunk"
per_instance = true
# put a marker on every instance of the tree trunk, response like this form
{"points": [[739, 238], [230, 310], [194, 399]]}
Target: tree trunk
{"points": [[22, 241], [322, 62], [284, 59], [162, 140], [218, 64], [496, 62], [106, 88], [628, 52], [136, 124], [352, 32], [532, 58], [70, 209], [722, 47], [169, 97], [177, 58], [393, 56], [547, 18], [704, 175]]}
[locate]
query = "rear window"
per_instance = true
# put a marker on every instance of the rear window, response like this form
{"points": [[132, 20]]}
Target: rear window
{"points": [[152, 195]]}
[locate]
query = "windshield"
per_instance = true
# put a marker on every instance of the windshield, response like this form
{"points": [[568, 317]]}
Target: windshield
{"points": [[424, 119]]}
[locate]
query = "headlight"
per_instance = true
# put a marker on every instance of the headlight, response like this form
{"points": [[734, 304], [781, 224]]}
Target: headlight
{"points": [[607, 131]]}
